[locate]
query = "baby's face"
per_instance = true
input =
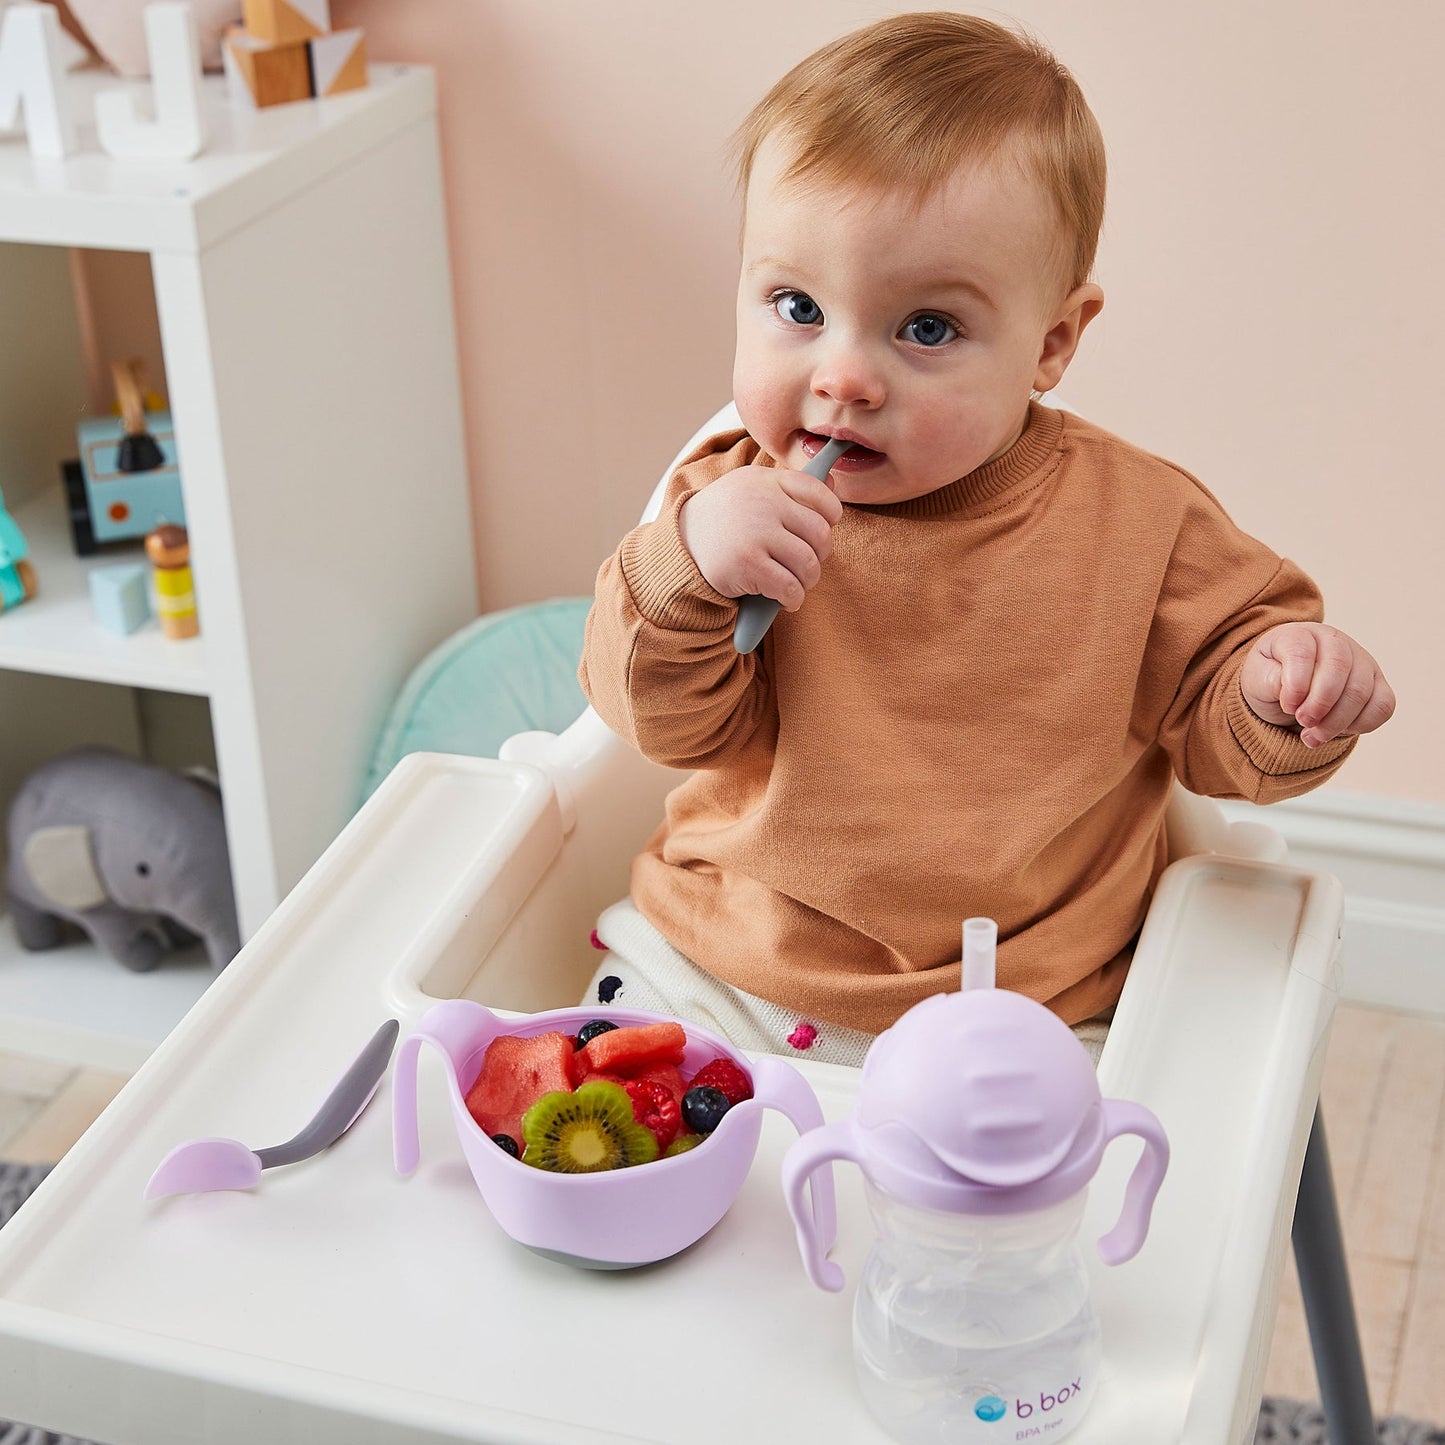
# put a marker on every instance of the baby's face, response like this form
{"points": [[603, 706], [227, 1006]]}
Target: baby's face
{"points": [[914, 331]]}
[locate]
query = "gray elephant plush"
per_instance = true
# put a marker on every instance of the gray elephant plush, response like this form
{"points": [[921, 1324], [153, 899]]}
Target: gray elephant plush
{"points": [[132, 853]]}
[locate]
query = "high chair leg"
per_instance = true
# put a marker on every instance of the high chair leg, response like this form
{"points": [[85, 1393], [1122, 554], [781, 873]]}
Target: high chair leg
{"points": [[1319, 1254]]}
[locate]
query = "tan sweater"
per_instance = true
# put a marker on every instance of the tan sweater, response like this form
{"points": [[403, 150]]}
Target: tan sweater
{"points": [[979, 709]]}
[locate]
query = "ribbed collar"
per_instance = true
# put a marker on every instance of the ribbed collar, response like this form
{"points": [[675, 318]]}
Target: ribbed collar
{"points": [[1035, 449]]}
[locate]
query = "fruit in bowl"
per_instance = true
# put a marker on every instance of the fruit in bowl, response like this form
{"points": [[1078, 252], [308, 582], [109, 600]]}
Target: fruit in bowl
{"points": [[600, 1102], [575, 1105]]}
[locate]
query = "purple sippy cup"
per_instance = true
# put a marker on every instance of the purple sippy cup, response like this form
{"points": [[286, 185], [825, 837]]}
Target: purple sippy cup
{"points": [[978, 1126]]}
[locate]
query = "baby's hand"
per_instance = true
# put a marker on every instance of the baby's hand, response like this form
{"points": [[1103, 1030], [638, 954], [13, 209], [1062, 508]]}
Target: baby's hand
{"points": [[761, 531], [1313, 676]]}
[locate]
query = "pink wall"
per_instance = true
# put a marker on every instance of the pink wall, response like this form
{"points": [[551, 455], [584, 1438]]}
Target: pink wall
{"points": [[1271, 260]]}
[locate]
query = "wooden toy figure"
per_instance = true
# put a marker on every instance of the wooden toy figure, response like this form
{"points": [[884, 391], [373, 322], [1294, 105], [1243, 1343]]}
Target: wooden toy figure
{"points": [[17, 576], [169, 550]]}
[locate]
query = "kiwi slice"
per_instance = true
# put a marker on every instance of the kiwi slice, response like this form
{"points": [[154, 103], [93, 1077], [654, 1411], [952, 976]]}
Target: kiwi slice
{"points": [[584, 1132]]}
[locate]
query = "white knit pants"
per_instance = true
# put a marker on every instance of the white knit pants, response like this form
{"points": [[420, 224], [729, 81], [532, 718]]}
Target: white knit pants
{"points": [[641, 969]]}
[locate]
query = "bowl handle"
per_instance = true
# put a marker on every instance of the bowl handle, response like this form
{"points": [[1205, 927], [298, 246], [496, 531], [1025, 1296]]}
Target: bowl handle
{"points": [[457, 1027], [816, 1148], [778, 1085]]}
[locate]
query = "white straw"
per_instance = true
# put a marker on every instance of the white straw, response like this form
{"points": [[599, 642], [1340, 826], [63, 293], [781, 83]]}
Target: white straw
{"points": [[980, 944]]}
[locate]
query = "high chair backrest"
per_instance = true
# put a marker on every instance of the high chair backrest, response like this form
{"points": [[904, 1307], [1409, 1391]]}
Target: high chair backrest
{"points": [[724, 419]]}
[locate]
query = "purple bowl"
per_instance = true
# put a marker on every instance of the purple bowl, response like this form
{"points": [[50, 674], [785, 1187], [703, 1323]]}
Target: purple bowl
{"points": [[619, 1218]]}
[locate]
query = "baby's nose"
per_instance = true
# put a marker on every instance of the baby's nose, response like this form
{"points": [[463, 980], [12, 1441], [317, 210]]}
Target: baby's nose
{"points": [[847, 375]]}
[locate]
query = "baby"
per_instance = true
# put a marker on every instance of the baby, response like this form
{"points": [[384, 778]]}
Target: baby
{"points": [[1004, 634]]}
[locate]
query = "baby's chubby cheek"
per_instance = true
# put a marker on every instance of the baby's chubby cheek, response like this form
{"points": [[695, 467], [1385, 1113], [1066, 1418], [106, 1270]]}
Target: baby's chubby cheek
{"points": [[767, 417]]}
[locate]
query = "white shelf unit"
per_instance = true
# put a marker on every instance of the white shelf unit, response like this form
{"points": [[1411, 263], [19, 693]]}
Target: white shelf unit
{"points": [[303, 293]]}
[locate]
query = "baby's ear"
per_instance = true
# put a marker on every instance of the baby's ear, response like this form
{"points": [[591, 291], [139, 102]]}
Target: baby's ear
{"points": [[1061, 340]]}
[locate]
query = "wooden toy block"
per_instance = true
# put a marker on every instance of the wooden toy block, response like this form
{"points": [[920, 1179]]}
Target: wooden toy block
{"points": [[338, 62], [283, 22], [120, 596], [169, 550], [259, 73]]}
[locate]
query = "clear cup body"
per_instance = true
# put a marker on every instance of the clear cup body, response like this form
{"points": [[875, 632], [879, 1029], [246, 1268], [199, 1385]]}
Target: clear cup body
{"points": [[974, 1327]]}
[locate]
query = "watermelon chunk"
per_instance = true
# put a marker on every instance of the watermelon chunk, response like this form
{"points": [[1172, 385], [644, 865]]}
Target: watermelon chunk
{"points": [[516, 1072], [631, 1050]]}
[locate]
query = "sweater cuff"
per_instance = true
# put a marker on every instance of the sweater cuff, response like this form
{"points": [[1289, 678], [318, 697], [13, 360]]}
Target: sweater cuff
{"points": [[1276, 751], [666, 586]]}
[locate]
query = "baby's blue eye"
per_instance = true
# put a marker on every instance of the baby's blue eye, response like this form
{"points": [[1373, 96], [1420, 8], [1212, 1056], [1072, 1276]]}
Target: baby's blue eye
{"points": [[929, 330], [799, 308]]}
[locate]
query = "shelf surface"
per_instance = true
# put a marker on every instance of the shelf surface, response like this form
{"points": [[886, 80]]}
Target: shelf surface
{"points": [[253, 159], [76, 1006], [56, 631]]}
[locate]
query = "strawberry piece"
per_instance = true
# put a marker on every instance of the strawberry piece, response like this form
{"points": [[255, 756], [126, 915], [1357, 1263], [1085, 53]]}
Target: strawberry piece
{"points": [[654, 1107], [668, 1076], [515, 1073], [725, 1076], [665, 1074], [632, 1050]]}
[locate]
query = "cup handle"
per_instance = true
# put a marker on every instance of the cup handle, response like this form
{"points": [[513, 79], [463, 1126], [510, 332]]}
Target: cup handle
{"points": [[780, 1086], [1126, 1238], [456, 1027], [816, 1148]]}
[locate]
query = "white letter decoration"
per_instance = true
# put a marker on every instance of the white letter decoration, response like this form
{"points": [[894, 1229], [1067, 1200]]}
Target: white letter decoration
{"points": [[177, 132], [32, 78]]}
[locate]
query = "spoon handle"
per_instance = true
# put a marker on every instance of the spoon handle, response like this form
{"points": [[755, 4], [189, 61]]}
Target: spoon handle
{"points": [[755, 614], [342, 1105]]}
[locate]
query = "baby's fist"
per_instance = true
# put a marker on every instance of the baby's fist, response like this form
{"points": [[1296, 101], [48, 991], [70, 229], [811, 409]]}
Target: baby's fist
{"points": [[1308, 675]]}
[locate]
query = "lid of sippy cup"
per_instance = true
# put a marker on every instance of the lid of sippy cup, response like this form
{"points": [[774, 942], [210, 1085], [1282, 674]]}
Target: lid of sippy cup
{"points": [[992, 1083]]}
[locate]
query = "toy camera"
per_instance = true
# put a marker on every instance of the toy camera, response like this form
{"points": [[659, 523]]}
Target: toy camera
{"points": [[126, 481]]}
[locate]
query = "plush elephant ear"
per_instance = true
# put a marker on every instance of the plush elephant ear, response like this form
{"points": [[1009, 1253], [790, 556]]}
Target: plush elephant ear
{"points": [[62, 867]]}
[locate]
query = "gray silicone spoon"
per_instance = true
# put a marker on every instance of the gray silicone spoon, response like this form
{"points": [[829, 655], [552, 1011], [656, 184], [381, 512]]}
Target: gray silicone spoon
{"points": [[203, 1164], [755, 614]]}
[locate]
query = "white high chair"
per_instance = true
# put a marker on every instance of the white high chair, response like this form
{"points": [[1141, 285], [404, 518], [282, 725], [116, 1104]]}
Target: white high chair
{"points": [[337, 1303]]}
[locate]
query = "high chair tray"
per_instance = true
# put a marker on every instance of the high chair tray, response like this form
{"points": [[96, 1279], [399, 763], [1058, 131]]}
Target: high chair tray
{"points": [[338, 1304]]}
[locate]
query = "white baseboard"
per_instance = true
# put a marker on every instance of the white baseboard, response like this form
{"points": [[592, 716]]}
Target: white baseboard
{"points": [[1390, 855]]}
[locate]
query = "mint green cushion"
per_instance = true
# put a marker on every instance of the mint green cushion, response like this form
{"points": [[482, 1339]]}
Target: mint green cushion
{"points": [[507, 672]]}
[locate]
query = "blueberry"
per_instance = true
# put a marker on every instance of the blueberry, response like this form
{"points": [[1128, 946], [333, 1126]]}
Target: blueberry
{"points": [[591, 1029], [609, 988], [509, 1144], [703, 1108]]}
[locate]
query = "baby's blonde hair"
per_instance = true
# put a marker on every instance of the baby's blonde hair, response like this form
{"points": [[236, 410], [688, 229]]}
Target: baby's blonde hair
{"points": [[905, 102]]}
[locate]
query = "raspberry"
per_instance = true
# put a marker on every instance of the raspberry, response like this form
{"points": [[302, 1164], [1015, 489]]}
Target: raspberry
{"points": [[655, 1108], [726, 1077]]}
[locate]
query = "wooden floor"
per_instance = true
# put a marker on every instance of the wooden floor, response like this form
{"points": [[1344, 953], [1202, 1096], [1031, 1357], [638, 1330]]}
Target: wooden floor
{"points": [[1384, 1110], [1384, 1099]]}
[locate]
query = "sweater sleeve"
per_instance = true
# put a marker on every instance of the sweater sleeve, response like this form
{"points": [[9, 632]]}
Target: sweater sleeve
{"points": [[658, 660], [1223, 591]]}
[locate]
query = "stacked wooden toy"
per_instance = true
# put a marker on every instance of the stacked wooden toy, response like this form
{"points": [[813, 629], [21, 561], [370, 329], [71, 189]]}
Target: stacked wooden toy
{"points": [[286, 50]]}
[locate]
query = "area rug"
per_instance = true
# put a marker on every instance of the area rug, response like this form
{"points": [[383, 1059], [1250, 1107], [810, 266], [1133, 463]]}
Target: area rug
{"points": [[1304, 1424], [1281, 1422]]}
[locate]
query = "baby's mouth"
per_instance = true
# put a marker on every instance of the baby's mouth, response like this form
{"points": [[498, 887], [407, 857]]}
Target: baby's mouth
{"points": [[856, 458]]}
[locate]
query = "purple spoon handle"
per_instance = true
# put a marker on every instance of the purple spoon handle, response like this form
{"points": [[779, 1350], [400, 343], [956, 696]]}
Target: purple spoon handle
{"points": [[755, 614]]}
